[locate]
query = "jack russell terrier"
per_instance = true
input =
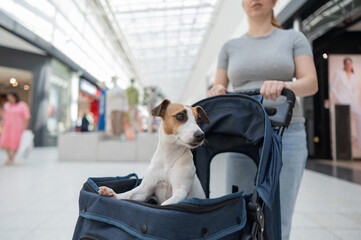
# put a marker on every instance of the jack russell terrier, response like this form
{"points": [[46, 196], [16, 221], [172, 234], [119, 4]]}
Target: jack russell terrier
{"points": [[171, 175]]}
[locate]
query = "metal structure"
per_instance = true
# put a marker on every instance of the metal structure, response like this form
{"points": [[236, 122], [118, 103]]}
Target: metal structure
{"points": [[331, 14]]}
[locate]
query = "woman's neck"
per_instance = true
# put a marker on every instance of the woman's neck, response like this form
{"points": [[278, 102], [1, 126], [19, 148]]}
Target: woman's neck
{"points": [[260, 28], [348, 74], [348, 71]]}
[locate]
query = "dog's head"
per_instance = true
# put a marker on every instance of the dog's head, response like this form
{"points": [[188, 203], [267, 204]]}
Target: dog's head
{"points": [[182, 121]]}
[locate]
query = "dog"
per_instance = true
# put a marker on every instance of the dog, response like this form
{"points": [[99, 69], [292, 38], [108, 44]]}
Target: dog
{"points": [[171, 176]]}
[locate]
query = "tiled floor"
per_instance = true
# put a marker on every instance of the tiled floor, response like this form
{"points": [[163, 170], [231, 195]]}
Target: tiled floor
{"points": [[39, 195]]}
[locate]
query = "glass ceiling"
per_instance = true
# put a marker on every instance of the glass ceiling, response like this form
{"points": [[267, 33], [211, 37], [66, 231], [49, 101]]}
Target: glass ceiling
{"points": [[165, 36]]}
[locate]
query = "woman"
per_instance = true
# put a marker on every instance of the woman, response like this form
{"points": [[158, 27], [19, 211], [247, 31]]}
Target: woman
{"points": [[16, 116], [268, 57], [345, 89], [84, 124]]}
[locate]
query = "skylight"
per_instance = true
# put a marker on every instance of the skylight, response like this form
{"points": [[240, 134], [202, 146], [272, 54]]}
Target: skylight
{"points": [[165, 36]]}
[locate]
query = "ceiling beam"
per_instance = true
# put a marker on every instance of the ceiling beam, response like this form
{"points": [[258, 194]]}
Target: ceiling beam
{"points": [[166, 71], [179, 46], [157, 58], [146, 10], [165, 32]]}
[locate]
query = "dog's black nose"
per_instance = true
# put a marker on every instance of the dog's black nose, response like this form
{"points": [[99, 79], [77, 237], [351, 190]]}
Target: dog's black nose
{"points": [[199, 135]]}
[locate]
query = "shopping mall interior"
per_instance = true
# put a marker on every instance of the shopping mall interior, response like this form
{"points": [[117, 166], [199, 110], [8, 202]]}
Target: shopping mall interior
{"points": [[91, 71]]}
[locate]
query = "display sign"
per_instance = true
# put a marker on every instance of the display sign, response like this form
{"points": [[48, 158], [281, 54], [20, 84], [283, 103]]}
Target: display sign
{"points": [[344, 89], [87, 87], [102, 110]]}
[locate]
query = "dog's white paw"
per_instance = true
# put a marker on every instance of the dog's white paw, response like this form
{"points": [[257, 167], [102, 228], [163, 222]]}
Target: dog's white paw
{"points": [[107, 192]]}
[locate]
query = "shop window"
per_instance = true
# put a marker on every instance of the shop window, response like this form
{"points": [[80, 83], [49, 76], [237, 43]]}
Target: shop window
{"points": [[59, 101]]}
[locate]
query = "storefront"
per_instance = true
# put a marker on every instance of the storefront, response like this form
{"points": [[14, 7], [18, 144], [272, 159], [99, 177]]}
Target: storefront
{"points": [[88, 104], [45, 78], [18, 81], [59, 120], [25, 72]]}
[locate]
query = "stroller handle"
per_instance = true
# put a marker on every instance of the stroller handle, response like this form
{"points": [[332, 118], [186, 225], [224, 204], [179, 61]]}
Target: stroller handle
{"points": [[279, 115]]}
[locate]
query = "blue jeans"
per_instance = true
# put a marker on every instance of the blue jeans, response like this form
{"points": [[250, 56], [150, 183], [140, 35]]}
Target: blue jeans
{"points": [[241, 172]]}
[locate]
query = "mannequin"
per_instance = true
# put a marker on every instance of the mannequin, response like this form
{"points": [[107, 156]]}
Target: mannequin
{"points": [[151, 105], [133, 100], [117, 104], [133, 94]]}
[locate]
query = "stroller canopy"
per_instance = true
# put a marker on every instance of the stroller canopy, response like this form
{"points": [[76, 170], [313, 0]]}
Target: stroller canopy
{"points": [[239, 123]]}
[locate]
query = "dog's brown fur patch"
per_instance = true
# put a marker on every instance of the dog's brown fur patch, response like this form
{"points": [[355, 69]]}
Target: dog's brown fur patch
{"points": [[170, 123], [168, 112]]}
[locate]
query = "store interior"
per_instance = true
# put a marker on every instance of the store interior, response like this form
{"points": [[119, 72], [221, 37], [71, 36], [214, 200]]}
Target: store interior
{"points": [[18, 81]]}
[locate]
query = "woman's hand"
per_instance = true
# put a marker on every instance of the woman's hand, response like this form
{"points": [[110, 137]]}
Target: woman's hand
{"points": [[218, 89], [272, 89]]}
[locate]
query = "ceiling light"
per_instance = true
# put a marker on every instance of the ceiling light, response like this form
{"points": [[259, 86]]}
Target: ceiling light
{"points": [[12, 80], [26, 87], [15, 84]]}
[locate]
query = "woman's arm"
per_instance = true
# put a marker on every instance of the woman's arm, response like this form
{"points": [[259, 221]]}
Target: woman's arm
{"points": [[220, 84], [26, 125], [305, 85], [1, 116]]}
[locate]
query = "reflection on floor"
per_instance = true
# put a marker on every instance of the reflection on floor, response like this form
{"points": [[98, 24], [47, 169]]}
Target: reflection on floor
{"points": [[39, 198], [346, 170]]}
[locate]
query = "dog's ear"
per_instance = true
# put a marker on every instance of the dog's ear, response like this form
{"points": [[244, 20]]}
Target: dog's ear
{"points": [[159, 111], [203, 114]]}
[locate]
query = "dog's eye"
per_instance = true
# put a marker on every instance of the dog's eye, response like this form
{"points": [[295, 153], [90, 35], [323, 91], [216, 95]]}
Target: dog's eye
{"points": [[180, 117]]}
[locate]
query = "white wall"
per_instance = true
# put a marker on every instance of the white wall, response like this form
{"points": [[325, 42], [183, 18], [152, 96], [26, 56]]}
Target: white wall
{"points": [[229, 21]]}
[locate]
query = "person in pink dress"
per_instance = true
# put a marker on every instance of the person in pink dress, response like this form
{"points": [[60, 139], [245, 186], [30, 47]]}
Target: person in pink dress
{"points": [[16, 116]]}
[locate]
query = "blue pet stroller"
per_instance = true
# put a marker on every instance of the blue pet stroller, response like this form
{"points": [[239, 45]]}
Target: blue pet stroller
{"points": [[239, 123]]}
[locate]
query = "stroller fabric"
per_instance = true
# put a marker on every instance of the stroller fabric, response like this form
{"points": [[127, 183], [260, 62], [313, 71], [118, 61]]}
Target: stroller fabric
{"points": [[239, 123], [108, 218]]}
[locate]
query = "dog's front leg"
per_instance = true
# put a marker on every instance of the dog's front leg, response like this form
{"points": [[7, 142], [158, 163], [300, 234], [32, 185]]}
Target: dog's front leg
{"points": [[181, 178], [145, 190], [180, 189], [140, 193], [179, 194]]}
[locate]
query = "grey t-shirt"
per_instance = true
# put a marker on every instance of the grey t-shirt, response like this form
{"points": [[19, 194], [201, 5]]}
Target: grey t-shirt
{"points": [[250, 61]]}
